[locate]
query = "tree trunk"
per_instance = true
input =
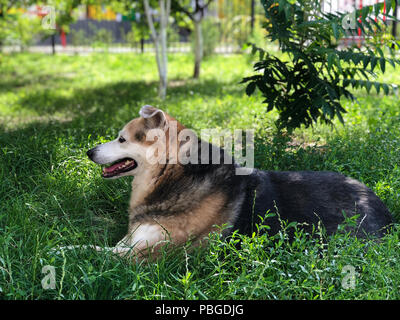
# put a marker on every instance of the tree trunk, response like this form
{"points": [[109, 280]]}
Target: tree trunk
{"points": [[394, 30], [1, 17], [253, 4], [53, 44], [198, 47], [160, 42], [163, 48], [141, 45]]}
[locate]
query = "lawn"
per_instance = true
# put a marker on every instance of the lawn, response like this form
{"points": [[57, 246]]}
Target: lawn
{"points": [[54, 108]]}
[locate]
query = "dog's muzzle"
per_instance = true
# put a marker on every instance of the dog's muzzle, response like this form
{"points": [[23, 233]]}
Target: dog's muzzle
{"points": [[115, 168], [90, 153]]}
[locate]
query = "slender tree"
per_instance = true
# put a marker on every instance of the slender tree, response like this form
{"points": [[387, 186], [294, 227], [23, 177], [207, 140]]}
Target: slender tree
{"points": [[195, 13], [159, 38], [394, 30]]}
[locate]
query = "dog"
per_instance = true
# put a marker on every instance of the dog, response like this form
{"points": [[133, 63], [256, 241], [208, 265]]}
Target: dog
{"points": [[173, 201]]}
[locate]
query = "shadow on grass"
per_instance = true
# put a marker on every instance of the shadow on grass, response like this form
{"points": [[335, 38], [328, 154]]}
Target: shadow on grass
{"points": [[109, 98], [15, 81]]}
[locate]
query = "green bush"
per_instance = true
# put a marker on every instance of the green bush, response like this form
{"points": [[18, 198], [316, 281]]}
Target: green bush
{"points": [[79, 37], [19, 30], [131, 38], [211, 36], [102, 38], [235, 30], [172, 36]]}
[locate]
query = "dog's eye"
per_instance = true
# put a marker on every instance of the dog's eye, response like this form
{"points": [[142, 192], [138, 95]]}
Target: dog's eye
{"points": [[121, 139]]}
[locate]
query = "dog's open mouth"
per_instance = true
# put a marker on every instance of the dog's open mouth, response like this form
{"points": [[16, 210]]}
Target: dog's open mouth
{"points": [[118, 167]]}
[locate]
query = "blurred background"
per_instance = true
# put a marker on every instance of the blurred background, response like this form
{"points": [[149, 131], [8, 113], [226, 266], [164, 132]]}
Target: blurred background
{"points": [[122, 27]]}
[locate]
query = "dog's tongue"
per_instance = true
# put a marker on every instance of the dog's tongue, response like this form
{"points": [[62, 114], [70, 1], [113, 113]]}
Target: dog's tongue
{"points": [[118, 167], [113, 167]]}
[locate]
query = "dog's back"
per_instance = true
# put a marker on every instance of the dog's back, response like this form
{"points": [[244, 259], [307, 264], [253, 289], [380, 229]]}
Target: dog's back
{"points": [[308, 198]]}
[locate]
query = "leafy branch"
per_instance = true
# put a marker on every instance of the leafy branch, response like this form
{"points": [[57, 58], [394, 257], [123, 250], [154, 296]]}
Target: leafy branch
{"points": [[308, 87]]}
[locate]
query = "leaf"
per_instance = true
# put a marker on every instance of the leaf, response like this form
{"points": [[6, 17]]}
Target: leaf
{"points": [[252, 78], [331, 57], [377, 86], [392, 62], [339, 115], [368, 86], [385, 88], [373, 63], [380, 52], [356, 58], [382, 62], [364, 14], [335, 31], [366, 61], [250, 88]]}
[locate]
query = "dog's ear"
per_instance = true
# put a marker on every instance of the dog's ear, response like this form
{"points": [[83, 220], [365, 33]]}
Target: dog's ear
{"points": [[154, 118]]}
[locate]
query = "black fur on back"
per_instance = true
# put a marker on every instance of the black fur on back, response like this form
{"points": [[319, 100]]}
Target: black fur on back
{"points": [[306, 197], [309, 197]]}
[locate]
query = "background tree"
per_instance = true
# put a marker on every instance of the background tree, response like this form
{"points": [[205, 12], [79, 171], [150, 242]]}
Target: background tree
{"points": [[308, 86], [159, 38], [195, 12], [64, 17], [395, 10], [5, 6]]}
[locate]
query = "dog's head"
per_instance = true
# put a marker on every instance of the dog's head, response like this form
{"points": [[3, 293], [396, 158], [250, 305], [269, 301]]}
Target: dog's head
{"points": [[131, 152]]}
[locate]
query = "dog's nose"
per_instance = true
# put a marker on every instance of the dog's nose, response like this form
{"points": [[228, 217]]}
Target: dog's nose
{"points": [[90, 153]]}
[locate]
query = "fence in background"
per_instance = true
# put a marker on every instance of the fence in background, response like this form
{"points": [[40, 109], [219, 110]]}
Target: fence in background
{"points": [[229, 25]]}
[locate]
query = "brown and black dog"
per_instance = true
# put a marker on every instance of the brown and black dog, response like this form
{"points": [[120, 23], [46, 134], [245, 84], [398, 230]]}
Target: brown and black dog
{"points": [[176, 201]]}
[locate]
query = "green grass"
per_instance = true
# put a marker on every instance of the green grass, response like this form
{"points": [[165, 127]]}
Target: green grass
{"points": [[53, 109]]}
